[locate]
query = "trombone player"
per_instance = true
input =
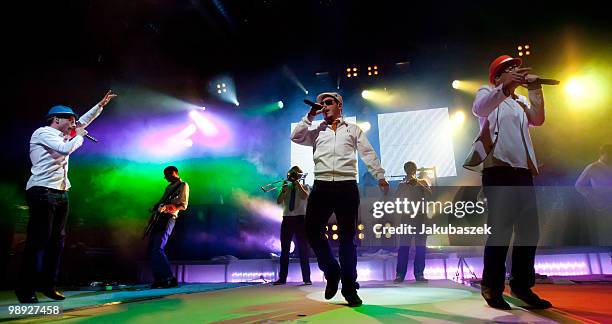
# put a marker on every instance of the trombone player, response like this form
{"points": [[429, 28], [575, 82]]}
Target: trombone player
{"points": [[294, 197]]}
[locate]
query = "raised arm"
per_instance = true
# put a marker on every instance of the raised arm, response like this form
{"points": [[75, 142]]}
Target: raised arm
{"points": [[96, 110]]}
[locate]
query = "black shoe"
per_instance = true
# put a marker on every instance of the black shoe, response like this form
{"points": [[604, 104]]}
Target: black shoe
{"points": [[53, 293], [398, 279], [307, 283], [352, 299], [279, 282], [332, 286], [495, 300], [531, 299], [26, 297], [420, 279], [157, 284], [170, 283], [498, 303]]}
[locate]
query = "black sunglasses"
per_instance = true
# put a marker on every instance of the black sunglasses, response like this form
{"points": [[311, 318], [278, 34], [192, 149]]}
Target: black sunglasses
{"points": [[328, 102]]}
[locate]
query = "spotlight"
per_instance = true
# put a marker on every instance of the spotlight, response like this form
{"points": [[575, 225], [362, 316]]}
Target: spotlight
{"points": [[306, 91], [468, 86], [373, 70], [457, 119], [351, 71], [523, 50], [574, 88], [280, 104], [205, 125], [203, 108], [361, 236], [334, 227], [377, 96], [335, 237], [360, 227], [237, 104]]}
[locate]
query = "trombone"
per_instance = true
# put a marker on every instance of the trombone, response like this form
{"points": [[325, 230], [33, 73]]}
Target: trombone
{"points": [[291, 176]]}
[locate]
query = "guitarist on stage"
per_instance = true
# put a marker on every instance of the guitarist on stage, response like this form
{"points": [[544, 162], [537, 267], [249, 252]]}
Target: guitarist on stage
{"points": [[174, 199]]}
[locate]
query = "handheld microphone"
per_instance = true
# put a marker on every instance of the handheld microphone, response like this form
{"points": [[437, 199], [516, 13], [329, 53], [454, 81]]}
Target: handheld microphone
{"points": [[91, 138], [312, 104], [545, 81]]}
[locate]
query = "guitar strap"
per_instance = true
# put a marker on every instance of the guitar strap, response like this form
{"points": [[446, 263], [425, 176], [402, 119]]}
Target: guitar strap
{"points": [[171, 194]]}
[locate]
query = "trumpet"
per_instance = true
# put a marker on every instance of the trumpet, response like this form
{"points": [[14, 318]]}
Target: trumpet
{"points": [[291, 177]]}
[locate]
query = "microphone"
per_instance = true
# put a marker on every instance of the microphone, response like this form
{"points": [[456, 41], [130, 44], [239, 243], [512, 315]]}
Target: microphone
{"points": [[91, 138], [312, 104], [545, 81]]}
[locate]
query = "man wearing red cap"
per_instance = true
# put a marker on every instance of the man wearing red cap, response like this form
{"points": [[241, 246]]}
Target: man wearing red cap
{"points": [[47, 198], [508, 163]]}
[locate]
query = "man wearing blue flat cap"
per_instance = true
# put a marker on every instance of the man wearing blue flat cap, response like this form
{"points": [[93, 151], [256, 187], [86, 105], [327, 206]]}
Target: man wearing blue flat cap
{"points": [[47, 198]]}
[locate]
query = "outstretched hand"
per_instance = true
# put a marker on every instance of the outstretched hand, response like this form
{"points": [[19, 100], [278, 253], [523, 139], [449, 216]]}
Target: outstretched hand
{"points": [[107, 98]]}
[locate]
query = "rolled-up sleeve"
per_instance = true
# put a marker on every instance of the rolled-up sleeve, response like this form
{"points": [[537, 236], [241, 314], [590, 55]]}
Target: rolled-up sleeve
{"points": [[536, 114], [183, 198]]}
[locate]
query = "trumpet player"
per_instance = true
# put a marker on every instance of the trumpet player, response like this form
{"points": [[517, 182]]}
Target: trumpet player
{"points": [[414, 189], [294, 197]]}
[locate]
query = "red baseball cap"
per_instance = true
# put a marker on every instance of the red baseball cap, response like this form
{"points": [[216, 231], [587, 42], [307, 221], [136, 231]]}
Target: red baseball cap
{"points": [[501, 63]]}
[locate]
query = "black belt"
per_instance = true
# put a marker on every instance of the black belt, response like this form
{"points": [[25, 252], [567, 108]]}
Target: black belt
{"points": [[49, 190]]}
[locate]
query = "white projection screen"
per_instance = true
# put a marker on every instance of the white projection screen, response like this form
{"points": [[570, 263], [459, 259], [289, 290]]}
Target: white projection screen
{"points": [[301, 155], [422, 136]]}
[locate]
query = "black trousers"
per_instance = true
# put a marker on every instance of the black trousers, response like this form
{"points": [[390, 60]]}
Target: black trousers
{"points": [[512, 209], [157, 243], [341, 198], [403, 254], [294, 225], [46, 232]]}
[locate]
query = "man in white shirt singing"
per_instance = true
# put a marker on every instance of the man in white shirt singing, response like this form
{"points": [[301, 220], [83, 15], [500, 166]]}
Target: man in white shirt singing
{"points": [[334, 144], [507, 179], [47, 198]]}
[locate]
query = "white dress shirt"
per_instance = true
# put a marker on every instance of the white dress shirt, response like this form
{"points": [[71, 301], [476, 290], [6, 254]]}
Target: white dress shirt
{"points": [[334, 152], [49, 154], [300, 203], [514, 147]]}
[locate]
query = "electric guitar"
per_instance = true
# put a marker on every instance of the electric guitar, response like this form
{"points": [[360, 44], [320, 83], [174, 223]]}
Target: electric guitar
{"points": [[160, 208]]}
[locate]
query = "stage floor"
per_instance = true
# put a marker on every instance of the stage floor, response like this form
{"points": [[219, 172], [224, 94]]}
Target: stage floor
{"points": [[439, 301]]}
